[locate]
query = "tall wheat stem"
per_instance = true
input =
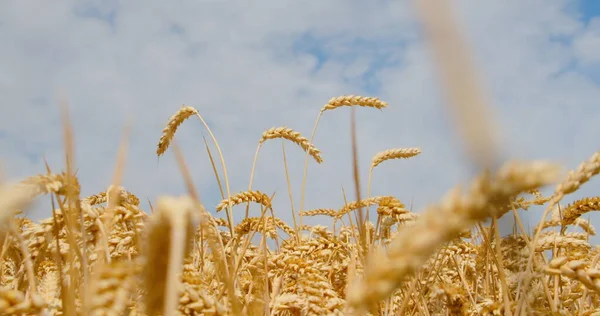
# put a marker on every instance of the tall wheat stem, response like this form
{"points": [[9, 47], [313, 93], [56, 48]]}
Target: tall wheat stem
{"points": [[229, 207], [304, 174]]}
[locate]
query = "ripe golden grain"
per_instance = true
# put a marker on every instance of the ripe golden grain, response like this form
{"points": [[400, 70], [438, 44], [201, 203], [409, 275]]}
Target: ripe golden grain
{"points": [[293, 136], [395, 153], [320, 211], [244, 197], [580, 207], [169, 131], [353, 100]]}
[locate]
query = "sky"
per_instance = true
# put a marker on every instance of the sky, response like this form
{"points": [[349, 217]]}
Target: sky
{"points": [[249, 66]]}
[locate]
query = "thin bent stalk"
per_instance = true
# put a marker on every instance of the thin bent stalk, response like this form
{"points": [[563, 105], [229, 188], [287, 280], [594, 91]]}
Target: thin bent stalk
{"points": [[252, 176], [304, 174], [229, 206], [289, 185]]}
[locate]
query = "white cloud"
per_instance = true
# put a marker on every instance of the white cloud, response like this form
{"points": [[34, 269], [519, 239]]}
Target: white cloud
{"points": [[248, 67]]}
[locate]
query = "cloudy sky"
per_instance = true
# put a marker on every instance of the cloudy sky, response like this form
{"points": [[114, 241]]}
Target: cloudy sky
{"points": [[248, 66]]}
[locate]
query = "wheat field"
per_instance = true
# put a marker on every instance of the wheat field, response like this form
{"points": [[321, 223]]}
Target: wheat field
{"points": [[106, 254]]}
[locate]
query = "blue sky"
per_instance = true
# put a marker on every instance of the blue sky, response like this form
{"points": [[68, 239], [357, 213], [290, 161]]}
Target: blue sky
{"points": [[248, 67], [589, 9]]}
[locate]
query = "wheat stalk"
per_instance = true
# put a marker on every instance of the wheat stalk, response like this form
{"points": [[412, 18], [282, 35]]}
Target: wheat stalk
{"points": [[169, 236], [169, 132]]}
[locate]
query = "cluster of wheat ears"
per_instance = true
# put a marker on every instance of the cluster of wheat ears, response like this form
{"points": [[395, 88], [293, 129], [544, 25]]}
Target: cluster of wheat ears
{"points": [[104, 255]]}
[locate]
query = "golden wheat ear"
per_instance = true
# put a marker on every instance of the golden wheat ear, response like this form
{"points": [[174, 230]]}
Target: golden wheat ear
{"points": [[169, 131], [394, 153], [380, 157], [293, 136], [353, 100], [245, 197]]}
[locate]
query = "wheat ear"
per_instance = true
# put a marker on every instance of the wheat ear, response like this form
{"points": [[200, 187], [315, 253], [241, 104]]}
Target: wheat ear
{"points": [[576, 270], [244, 197], [580, 207], [169, 132], [351, 100], [293, 136], [320, 211], [394, 153]]}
